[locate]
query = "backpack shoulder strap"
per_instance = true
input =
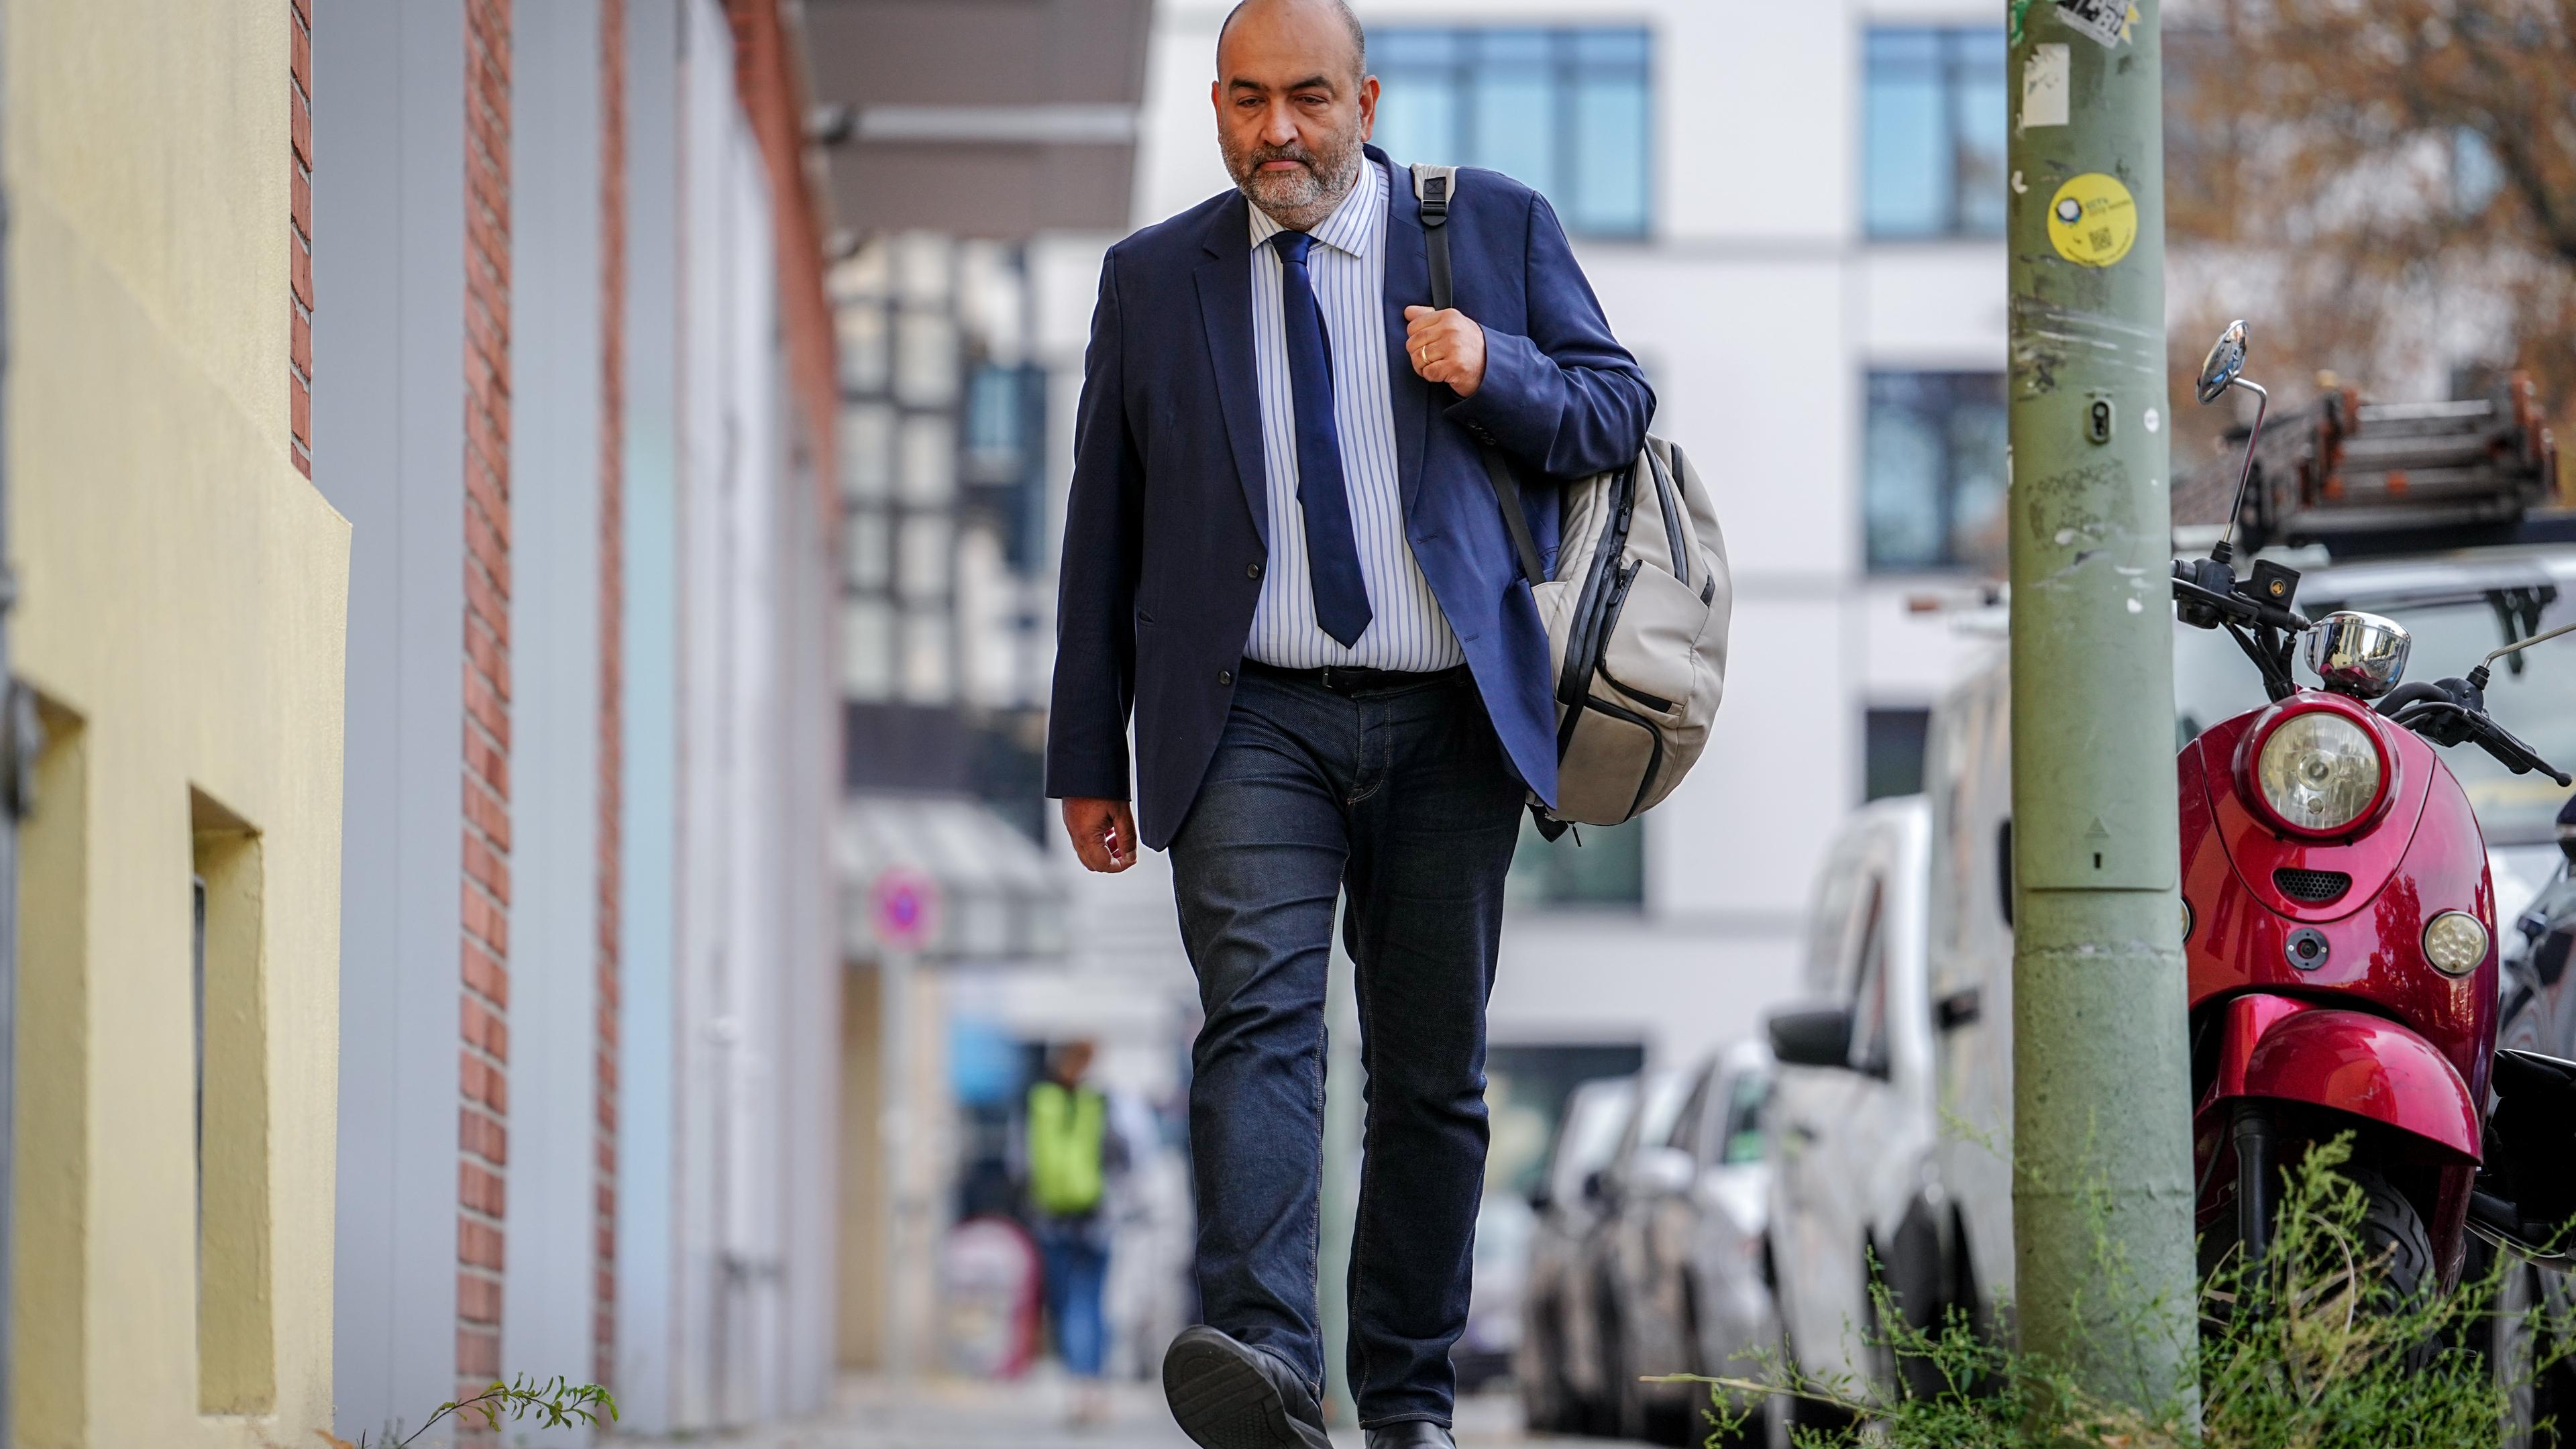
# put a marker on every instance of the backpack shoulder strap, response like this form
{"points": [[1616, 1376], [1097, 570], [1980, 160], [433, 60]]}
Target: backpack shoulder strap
{"points": [[1433, 186]]}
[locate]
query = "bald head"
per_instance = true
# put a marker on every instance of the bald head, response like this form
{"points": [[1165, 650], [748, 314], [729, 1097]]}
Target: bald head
{"points": [[1294, 101], [1322, 28]]}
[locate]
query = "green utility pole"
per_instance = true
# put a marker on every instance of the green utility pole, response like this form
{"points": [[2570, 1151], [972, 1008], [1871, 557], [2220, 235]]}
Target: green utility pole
{"points": [[2101, 1070]]}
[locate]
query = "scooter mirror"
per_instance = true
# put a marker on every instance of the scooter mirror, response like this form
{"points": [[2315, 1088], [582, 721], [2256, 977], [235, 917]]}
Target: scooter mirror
{"points": [[2226, 361]]}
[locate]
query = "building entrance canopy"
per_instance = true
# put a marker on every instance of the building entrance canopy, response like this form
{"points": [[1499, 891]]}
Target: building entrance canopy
{"points": [[991, 895]]}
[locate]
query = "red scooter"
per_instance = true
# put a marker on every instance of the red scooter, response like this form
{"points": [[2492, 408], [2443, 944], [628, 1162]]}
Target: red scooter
{"points": [[2338, 921]]}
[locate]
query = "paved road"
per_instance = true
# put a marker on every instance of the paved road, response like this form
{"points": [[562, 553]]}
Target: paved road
{"points": [[950, 1414]]}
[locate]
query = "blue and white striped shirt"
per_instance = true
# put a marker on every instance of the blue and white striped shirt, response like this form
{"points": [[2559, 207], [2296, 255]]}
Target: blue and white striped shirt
{"points": [[1347, 266]]}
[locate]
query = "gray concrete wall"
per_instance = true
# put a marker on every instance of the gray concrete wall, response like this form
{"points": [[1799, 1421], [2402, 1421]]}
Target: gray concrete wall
{"points": [[648, 875], [752, 972], [810, 1046], [548, 1297], [388, 452]]}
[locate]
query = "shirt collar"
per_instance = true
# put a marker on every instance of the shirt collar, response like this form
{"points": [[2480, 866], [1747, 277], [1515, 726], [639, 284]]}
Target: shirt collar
{"points": [[1353, 224]]}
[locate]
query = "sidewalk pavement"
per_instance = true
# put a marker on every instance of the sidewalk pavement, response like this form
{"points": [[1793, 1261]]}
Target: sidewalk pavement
{"points": [[1031, 1414]]}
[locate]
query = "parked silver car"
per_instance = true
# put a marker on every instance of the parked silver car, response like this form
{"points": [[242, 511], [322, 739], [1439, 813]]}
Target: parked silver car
{"points": [[1854, 1187], [1597, 1362], [1683, 1249], [1557, 1365]]}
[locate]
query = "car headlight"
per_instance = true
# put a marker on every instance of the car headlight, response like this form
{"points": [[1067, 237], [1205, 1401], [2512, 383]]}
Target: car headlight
{"points": [[2318, 771], [2455, 942]]}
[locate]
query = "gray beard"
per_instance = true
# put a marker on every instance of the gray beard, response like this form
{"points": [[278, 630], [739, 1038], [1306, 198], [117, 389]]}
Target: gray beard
{"points": [[1300, 200]]}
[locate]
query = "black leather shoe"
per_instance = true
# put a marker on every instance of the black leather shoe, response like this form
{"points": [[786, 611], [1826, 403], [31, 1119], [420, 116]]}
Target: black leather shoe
{"points": [[1229, 1395], [1411, 1434]]}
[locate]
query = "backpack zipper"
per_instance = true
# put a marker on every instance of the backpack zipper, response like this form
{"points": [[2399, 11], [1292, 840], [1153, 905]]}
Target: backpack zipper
{"points": [[1613, 541], [1610, 626], [1674, 547]]}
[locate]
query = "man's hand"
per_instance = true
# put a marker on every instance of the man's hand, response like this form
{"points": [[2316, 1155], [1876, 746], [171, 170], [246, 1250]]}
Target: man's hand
{"points": [[1446, 346], [1103, 834]]}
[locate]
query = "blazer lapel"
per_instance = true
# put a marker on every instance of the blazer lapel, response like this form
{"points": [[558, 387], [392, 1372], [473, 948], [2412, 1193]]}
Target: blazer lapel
{"points": [[1225, 307], [1408, 284]]}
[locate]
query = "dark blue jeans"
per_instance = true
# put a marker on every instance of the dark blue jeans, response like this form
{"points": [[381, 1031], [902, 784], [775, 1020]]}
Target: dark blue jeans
{"points": [[1398, 797], [1076, 1263]]}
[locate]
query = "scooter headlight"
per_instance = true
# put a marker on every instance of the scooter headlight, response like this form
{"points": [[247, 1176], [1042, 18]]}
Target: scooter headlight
{"points": [[2319, 771], [2455, 942]]}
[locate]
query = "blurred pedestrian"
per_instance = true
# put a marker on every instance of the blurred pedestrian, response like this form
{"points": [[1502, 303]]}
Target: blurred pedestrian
{"points": [[1283, 555], [1070, 1153]]}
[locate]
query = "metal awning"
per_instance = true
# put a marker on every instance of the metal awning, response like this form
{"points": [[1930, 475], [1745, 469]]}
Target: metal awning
{"points": [[997, 898], [980, 118]]}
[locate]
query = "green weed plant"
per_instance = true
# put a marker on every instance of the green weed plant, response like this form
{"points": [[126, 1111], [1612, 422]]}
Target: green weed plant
{"points": [[557, 1403], [2312, 1349]]}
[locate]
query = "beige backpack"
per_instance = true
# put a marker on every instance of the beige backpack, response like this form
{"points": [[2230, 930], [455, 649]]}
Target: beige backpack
{"points": [[1636, 612]]}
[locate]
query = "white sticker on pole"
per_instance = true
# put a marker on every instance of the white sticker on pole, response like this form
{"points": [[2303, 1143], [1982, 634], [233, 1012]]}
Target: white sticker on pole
{"points": [[2043, 86], [2105, 20]]}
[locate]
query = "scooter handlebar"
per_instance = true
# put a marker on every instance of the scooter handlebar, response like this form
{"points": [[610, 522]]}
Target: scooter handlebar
{"points": [[2513, 754], [2446, 714]]}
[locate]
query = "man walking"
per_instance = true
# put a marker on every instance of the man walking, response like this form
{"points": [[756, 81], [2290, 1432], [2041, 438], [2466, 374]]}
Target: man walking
{"points": [[1282, 555], [1071, 1154]]}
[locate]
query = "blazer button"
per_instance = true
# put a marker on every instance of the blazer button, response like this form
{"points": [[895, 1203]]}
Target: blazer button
{"points": [[1252, 570], [1225, 676]]}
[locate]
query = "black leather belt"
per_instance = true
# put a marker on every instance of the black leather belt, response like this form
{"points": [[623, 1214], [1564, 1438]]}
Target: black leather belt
{"points": [[1352, 679]]}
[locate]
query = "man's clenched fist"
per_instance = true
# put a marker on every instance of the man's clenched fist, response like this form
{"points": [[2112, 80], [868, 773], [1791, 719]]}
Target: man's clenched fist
{"points": [[1446, 346], [1103, 833]]}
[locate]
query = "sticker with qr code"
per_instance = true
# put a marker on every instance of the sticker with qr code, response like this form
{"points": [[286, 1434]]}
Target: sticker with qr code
{"points": [[2106, 21], [2093, 220]]}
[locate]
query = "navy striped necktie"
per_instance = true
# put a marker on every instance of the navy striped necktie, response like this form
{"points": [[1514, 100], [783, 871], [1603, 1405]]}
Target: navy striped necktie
{"points": [[1332, 549]]}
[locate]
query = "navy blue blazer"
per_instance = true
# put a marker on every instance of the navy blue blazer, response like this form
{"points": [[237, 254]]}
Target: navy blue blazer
{"points": [[1168, 521]]}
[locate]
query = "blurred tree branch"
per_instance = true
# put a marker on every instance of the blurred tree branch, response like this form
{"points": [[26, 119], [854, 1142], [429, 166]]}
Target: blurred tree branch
{"points": [[2388, 185]]}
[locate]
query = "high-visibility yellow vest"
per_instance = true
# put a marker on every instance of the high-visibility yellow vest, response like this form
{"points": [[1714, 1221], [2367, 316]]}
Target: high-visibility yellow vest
{"points": [[1066, 1130]]}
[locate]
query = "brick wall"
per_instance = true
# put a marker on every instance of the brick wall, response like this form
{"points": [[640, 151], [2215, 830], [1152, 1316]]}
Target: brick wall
{"points": [[612, 654], [768, 80], [484, 1105], [299, 353]]}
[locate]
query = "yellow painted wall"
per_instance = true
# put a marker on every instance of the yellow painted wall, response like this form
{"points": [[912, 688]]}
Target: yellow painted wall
{"points": [[183, 595]]}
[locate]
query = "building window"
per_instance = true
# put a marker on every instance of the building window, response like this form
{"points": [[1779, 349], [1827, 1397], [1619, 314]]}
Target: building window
{"points": [[1933, 472], [1933, 139], [1564, 111], [997, 423], [1895, 751], [1589, 865]]}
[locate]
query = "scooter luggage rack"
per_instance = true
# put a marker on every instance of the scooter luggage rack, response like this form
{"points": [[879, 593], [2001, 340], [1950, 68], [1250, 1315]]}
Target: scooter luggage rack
{"points": [[2360, 476]]}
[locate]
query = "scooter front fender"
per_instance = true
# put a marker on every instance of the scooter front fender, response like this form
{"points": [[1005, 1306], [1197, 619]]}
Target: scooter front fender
{"points": [[2289, 1050]]}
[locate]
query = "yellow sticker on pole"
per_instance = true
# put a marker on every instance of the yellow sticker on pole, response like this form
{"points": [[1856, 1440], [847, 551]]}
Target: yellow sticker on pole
{"points": [[2093, 221]]}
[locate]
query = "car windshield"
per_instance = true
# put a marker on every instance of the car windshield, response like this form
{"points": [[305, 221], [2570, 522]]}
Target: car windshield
{"points": [[1665, 1095], [2213, 680], [1591, 1133]]}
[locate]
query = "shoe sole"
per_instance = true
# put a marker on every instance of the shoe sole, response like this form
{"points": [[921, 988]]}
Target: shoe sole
{"points": [[1223, 1400]]}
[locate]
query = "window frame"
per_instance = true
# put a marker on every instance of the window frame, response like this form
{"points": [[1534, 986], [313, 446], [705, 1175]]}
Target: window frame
{"points": [[1953, 384], [1566, 69], [1953, 65]]}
